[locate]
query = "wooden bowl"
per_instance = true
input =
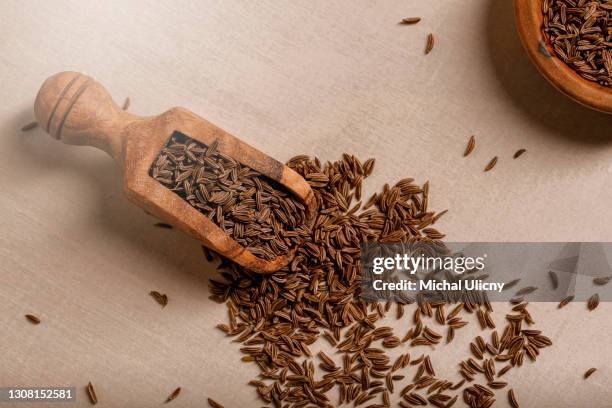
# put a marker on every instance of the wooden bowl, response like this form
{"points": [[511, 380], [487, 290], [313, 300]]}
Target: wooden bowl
{"points": [[529, 18]]}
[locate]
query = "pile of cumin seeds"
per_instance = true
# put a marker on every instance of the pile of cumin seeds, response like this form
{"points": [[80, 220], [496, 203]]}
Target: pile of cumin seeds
{"points": [[280, 318], [255, 211], [580, 32]]}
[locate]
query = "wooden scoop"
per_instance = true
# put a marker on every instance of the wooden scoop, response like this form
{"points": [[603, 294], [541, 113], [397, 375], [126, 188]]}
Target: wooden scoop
{"points": [[77, 110]]}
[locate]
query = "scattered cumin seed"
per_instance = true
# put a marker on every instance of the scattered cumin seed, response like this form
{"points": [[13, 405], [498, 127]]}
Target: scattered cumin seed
{"points": [[29, 126], [160, 298], [214, 404], [602, 280], [512, 399], [470, 146], [588, 372], [593, 302], [174, 394], [33, 319], [277, 318], [511, 284], [565, 301], [491, 164], [162, 225], [519, 153], [410, 20], [93, 398], [553, 279], [430, 43], [126, 103]]}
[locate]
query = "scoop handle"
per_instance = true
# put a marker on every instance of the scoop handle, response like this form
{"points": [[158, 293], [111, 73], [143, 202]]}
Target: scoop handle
{"points": [[77, 110]]}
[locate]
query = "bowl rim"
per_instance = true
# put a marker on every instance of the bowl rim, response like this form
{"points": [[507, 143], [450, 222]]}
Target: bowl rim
{"points": [[528, 17]]}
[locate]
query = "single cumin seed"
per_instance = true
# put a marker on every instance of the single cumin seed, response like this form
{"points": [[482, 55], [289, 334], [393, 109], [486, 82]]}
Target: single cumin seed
{"points": [[593, 302], [430, 43], [602, 280], [512, 399], [33, 319], [519, 153], [588, 372], [553, 279], [410, 20], [470, 146], [214, 404], [565, 301], [174, 394], [91, 392], [126, 103], [29, 126], [491, 164]]}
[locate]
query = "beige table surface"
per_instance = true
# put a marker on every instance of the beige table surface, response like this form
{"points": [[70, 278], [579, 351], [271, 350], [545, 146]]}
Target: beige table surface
{"points": [[320, 77]]}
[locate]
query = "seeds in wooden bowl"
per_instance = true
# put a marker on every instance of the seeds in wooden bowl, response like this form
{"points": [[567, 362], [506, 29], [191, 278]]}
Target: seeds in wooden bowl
{"points": [[579, 33], [255, 211]]}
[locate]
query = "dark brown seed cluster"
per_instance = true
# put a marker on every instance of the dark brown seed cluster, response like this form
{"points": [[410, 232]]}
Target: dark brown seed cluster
{"points": [[252, 209], [279, 317], [580, 32]]}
